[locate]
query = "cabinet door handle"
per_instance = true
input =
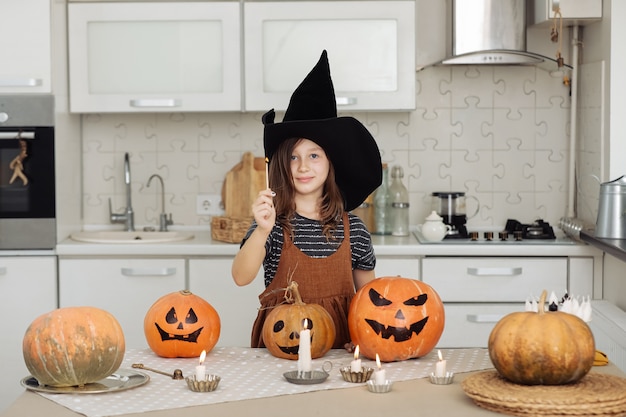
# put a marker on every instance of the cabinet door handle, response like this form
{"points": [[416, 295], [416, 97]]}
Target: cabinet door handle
{"points": [[345, 101], [144, 272], [3, 270], [484, 318], [155, 102], [17, 135], [494, 271], [20, 82]]}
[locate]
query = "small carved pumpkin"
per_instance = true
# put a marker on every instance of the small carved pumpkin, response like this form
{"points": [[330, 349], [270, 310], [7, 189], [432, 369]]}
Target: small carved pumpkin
{"points": [[73, 346], [282, 326], [181, 325], [398, 318], [541, 348]]}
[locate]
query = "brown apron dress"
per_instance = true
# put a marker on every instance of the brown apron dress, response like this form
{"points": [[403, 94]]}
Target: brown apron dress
{"points": [[324, 281]]}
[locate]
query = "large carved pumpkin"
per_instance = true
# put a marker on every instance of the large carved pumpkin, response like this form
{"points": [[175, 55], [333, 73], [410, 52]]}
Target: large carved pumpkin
{"points": [[73, 346], [282, 326], [541, 348], [181, 325], [398, 318]]}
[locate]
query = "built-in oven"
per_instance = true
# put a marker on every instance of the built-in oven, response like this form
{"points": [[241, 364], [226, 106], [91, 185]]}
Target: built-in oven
{"points": [[27, 186]]}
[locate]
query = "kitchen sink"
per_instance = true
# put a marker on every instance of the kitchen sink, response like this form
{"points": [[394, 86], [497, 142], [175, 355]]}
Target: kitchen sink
{"points": [[120, 236]]}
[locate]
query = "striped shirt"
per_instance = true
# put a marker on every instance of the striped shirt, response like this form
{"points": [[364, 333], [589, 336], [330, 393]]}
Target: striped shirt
{"points": [[308, 237]]}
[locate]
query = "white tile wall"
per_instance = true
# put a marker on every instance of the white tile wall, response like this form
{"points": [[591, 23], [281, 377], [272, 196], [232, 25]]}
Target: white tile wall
{"points": [[497, 133]]}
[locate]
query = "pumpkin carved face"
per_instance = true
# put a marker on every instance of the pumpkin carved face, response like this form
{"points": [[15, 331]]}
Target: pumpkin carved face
{"points": [[282, 326], [182, 325], [398, 318]]}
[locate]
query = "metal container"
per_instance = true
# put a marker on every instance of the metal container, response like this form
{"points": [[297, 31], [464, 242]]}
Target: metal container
{"points": [[611, 222]]}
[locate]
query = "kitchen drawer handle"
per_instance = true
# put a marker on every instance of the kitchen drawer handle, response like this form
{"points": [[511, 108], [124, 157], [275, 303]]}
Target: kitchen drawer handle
{"points": [[484, 318], [155, 102], [143, 272], [20, 82], [345, 101], [494, 271], [3, 270]]}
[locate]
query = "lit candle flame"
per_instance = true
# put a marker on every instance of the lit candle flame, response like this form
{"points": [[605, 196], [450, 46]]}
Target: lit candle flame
{"points": [[305, 325], [439, 353], [356, 352], [378, 362], [202, 357]]}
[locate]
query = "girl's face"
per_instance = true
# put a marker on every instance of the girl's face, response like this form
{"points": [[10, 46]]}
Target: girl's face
{"points": [[309, 167]]}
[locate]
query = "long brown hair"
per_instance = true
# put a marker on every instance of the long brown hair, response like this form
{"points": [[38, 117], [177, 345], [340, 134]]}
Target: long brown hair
{"points": [[332, 205]]}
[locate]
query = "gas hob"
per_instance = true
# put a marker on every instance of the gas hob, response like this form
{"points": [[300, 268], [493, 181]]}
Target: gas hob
{"points": [[513, 233]]}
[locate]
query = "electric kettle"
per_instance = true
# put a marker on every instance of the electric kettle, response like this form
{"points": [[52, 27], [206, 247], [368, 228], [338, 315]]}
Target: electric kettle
{"points": [[611, 222]]}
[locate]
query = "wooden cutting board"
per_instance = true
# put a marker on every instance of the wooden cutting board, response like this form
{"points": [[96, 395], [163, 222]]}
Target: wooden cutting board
{"points": [[242, 185]]}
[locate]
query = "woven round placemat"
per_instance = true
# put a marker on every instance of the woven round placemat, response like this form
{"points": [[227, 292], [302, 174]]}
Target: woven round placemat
{"points": [[594, 395]]}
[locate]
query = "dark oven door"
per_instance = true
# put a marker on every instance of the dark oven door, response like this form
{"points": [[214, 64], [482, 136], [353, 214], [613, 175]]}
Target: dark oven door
{"points": [[27, 186]]}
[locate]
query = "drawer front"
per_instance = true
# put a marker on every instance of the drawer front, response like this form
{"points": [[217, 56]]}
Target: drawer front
{"points": [[494, 279], [469, 325]]}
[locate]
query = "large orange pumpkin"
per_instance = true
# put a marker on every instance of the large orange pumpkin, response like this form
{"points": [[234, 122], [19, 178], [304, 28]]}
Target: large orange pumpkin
{"points": [[282, 326], [181, 325], [73, 346], [398, 318], [541, 348]]}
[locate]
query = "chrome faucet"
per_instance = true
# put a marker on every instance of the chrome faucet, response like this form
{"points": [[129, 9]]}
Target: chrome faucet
{"points": [[128, 217], [163, 220]]}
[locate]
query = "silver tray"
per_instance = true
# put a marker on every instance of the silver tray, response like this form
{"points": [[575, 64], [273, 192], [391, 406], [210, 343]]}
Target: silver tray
{"points": [[121, 380], [317, 377]]}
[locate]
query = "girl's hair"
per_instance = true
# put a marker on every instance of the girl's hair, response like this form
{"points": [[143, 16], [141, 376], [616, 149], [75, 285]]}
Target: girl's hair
{"points": [[331, 207]]}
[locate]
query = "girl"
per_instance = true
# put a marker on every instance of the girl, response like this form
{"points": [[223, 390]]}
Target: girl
{"points": [[320, 168]]}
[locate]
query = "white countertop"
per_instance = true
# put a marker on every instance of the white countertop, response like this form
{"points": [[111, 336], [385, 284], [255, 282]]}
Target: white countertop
{"points": [[203, 245]]}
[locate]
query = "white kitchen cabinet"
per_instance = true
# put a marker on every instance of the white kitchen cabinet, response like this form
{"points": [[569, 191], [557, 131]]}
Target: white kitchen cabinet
{"points": [[211, 279], [478, 291], [154, 57], [28, 289], [370, 44], [25, 37], [126, 288]]}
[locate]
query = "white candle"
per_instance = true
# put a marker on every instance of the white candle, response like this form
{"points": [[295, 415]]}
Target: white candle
{"points": [[355, 365], [304, 351], [267, 173], [440, 368], [201, 369], [380, 377]]}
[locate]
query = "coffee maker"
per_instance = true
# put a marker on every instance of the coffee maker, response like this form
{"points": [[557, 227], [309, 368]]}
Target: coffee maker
{"points": [[450, 205]]}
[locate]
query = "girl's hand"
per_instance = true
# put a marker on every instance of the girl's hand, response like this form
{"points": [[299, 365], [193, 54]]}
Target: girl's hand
{"points": [[263, 210]]}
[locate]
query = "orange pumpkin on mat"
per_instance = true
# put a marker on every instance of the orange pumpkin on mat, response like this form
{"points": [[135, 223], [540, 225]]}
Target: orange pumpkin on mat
{"points": [[181, 325], [398, 318]]}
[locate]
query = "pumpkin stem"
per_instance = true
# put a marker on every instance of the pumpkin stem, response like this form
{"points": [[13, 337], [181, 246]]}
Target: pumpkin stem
{"points": [[542, 302], [293, 288]]}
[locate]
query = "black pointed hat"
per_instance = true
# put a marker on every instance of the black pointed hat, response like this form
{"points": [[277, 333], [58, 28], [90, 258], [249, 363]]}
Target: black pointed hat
{"points": [[312, 114]]}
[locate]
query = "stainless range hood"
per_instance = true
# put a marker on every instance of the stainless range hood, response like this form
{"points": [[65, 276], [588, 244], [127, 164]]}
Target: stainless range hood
{"points": [[490, 32]]}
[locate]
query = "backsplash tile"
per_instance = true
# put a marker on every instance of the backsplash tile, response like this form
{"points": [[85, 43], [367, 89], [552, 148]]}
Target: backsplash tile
{"points": [[497, 133]]}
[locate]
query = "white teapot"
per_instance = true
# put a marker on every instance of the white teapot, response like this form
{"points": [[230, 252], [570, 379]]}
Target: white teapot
{"points": [[434, 229]]}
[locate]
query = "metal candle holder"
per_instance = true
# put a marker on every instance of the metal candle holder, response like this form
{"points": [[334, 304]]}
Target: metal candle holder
{"points": [[442, 380], [379, 388], [209, 383], [358, 377]]}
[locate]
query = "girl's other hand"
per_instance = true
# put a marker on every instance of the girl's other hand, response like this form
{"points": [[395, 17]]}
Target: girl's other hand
{"points": [[263, 209]]}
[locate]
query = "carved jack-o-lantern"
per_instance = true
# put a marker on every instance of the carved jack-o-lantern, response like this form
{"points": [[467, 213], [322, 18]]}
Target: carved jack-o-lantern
{"points": [[282, 326], [398, 318], [181, 325]]}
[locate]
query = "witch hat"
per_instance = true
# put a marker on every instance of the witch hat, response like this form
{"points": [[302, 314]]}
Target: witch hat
{"points": [[312, 114]]}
